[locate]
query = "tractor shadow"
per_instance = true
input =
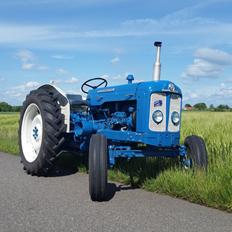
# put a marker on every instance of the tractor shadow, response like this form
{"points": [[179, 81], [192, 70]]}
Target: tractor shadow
{"points": [[113, 188], [135, 172], [138, 170], [68, 164], [131, 173]]}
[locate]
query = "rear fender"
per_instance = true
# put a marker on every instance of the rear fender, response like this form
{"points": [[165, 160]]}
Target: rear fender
{"points": [[62, 100]]}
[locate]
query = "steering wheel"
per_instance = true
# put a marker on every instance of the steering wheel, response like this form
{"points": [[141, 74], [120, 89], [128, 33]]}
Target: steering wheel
{"points": [[93, 86]]}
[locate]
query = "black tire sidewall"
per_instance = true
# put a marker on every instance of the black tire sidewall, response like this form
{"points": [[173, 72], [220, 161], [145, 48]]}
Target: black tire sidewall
{"points": [[98, 167], [197, 151]]}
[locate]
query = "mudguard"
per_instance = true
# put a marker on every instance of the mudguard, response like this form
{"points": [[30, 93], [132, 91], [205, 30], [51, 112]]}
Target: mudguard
{"points": [[63, 101]]}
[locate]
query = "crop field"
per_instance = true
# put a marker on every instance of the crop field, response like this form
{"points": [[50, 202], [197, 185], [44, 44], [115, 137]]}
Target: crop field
{"points": [[213, 188]]}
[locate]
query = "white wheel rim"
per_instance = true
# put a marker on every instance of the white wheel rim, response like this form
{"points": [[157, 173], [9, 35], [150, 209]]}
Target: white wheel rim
{"points": [[31, 132]]}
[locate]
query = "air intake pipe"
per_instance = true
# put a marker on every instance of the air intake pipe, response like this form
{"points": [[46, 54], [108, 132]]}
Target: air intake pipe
{"points": [[157, 65]]}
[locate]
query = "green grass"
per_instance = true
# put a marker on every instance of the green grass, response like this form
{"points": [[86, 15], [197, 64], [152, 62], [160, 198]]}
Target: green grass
{"points": [[9, 132], [213, 188]]}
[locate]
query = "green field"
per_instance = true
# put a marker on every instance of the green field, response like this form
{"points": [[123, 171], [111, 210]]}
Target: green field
{"points": [[165, 175], [9, 132]]}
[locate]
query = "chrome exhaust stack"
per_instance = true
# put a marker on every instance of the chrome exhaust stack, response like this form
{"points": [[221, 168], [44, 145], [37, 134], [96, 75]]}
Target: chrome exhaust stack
{"points": [[157, 64]]}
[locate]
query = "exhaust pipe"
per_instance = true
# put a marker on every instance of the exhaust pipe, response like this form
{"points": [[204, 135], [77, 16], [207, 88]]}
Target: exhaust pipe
{"points": [[157, 65]]}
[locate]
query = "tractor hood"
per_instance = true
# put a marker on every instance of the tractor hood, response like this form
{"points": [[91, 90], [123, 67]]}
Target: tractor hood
{"points": [[129, 91]]}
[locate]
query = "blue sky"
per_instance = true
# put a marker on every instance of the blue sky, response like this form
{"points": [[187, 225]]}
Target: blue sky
{"points": [[71, 41]]}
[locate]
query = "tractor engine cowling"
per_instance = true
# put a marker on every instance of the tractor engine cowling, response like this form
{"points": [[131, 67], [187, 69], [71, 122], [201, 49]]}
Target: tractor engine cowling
{"points": [[147, 112]]}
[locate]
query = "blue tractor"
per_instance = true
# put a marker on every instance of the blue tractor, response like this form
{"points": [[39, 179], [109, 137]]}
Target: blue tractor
{"points": [[130, 120]]}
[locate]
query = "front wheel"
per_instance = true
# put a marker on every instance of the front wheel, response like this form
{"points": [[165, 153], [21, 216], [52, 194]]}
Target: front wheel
{"points": [[196, 153], [98, 167]]}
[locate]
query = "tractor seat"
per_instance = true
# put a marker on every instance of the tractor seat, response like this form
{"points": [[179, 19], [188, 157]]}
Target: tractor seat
{"points": [[75, 99]]}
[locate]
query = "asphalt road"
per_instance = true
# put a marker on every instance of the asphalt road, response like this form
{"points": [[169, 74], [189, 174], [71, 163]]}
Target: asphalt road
{"points": [[61, 203]]}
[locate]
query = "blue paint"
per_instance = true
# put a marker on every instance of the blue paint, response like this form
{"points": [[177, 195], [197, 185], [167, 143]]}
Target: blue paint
{"points": [[121, 114], [127, 152], [130, 78]]}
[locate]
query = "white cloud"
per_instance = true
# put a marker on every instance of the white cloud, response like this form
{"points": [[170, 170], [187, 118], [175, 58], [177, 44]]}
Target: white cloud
{"points": [[228, 81], [222, 84], [42, 68], [62, 71], [115, 60], [72, 80], [62, 57], [211, 95], [224, 91], [214, 56], [27, 59], [177, 24], [32, 84], [20, 91], [118, 77], [27, 85], [195, 96], [208, 63], [221, 95], [202, 68], [27, 66], [25, 56]]}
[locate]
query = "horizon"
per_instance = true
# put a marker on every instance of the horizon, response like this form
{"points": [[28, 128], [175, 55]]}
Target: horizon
{"points": [[71, 42]]}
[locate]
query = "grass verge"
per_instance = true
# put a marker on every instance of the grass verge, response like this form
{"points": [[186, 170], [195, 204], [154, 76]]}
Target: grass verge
{"points": [[9, 132]]}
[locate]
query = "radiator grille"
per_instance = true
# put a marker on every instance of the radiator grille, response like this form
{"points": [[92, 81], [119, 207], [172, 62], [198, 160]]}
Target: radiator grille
{"points": [[157, 97], [160, 101], [175, 105]]}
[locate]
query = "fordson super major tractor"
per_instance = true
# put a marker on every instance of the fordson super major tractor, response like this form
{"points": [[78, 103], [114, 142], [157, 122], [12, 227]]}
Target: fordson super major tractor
{"points": [[130, 120]]}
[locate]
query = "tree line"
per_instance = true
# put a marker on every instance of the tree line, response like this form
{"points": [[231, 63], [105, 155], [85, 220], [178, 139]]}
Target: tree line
{"points": [[203, 107], [5, 107]]}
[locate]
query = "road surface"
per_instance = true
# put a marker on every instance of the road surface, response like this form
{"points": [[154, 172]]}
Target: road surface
{"points": [[61, 203]]}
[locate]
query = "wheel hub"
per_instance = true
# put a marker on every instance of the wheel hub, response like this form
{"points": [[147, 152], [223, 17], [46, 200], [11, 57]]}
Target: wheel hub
{"points": [[32, 131], [187, 163], [35, 133]]}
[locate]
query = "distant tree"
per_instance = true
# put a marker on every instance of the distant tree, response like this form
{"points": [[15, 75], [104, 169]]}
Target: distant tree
{"points": [[187, 105], [5, 107], [16, 108], [222, 107], [200, 106], [211, 107]]}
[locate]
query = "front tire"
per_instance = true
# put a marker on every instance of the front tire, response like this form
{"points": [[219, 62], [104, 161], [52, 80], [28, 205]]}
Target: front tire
{"points": [[196, 152], [98, 167], [41, 131]]}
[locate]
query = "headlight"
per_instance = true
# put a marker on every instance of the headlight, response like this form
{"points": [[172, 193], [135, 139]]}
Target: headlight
{"points": [[175, 118], [157, 116]]}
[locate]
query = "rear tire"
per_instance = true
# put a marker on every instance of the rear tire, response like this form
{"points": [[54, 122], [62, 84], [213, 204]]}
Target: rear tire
{"points": [[196, 152], [98, 167], [41, 131]]}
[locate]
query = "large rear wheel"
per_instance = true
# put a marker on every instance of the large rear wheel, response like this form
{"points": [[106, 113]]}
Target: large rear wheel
{"points": [[41, 131]]}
